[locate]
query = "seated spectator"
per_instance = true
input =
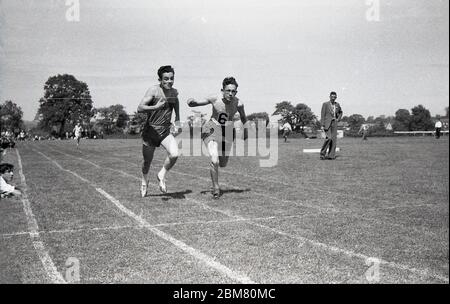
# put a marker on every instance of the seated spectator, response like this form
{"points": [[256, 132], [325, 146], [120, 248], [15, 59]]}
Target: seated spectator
{"points": [[7, 190]]}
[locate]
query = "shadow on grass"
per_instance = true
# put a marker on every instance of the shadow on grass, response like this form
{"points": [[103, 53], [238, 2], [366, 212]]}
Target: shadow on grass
{"points": [[224, 191], [173, 195]]}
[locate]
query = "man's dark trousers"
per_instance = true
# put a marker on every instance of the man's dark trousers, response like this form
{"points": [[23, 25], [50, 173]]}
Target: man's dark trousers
{"points": [[438, 133], [330, 141]]}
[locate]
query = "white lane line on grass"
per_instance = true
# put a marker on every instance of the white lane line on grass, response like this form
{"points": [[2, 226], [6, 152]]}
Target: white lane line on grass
{"points": [[62, 231], [307, 186], [108, 228], [328, 247], [209, 261], [325, 210], [181, 245], [19, 233], [232, 186], [33, 228], [349, 253], [315, 188], [96, 165]]}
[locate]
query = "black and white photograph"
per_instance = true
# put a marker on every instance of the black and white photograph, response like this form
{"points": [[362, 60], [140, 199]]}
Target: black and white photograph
{"points": [[243, 143]]}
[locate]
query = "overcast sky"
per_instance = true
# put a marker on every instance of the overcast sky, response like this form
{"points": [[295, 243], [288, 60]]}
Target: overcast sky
{"points": [[295, 50]]}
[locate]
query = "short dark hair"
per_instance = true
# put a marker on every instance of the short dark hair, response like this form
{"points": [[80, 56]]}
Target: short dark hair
{"points": [[229, 80], [4, 144], [6, 168], [165, 69], [333, 93]]}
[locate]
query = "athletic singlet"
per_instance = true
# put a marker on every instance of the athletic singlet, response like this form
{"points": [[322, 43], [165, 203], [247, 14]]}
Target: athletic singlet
{"points": [[157, 126], [220, 127], [162, 116], [224, 112]]}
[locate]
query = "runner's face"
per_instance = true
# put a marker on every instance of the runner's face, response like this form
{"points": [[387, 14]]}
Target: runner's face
{"points": [[229, 92], [167, 80]]}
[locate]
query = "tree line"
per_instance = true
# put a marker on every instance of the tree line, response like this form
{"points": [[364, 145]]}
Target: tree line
{"points": [[67, 100]]}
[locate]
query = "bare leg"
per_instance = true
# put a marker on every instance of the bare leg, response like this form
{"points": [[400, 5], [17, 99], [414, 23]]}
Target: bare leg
{"points": [[147, 153], [214, 165], [171, 146]]}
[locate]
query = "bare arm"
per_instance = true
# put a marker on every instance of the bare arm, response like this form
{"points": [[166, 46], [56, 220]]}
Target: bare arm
{"points": [[177, 124], [144, 106], [242, 113], [177, 110], [243, 117], [194, 103]]}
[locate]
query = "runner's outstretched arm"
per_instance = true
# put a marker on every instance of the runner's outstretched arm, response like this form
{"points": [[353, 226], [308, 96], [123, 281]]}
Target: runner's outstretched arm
{"points": [[193, 103]]}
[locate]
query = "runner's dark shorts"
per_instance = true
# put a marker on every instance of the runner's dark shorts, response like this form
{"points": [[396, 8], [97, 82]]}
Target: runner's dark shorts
{"points": [[153, 135]]}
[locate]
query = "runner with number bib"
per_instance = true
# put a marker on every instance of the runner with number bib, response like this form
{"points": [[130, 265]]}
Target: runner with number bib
{"points": [[218, 133]]}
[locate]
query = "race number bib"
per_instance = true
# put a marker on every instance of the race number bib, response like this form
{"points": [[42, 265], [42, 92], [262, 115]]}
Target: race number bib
{"points": [[223, 118]]}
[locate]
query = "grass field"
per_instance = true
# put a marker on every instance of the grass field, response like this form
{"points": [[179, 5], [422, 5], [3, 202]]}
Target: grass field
{"points": [[379, 213]]}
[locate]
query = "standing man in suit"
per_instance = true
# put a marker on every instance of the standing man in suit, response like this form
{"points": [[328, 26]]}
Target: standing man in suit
{"points": [[331, 115]]}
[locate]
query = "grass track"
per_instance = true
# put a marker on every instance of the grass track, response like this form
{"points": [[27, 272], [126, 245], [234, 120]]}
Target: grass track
{"points": [[303, 221]]}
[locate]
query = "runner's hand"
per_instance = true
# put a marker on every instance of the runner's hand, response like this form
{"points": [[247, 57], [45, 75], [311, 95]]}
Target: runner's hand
{"points": [[191, 102], [177, 128], [160, 103]]}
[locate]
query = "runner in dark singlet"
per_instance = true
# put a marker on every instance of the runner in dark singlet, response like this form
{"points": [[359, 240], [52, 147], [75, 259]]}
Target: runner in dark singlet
{"points": [[159, 102]]}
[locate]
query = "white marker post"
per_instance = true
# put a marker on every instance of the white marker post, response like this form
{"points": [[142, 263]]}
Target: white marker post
{"points": [[316, 150]]}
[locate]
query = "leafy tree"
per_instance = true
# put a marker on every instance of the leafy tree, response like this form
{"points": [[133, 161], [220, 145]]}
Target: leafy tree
{"points": [[139, 118], [303, 116], [66, 100], [370, 119], [380, 120], [344, 119], [421, 119], [355, 122], [256, 117], [11, 116], [111, 119], [259, 116], [378, 127], [299, 116], [285, 109], [402, 120]]}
